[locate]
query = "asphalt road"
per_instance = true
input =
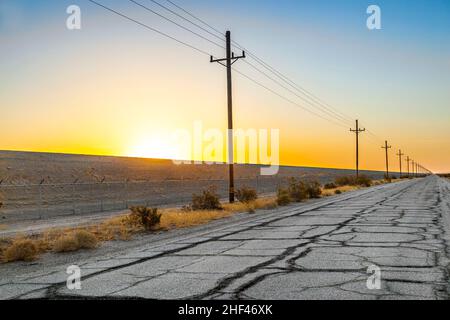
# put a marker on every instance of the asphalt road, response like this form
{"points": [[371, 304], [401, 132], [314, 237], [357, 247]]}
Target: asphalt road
{"points": [[316, 250]]}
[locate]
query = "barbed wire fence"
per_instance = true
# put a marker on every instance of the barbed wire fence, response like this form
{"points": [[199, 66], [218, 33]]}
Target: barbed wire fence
{"points": [[47, 199]]}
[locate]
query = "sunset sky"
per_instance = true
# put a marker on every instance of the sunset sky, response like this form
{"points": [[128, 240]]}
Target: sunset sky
{"points": [[116, 88]]}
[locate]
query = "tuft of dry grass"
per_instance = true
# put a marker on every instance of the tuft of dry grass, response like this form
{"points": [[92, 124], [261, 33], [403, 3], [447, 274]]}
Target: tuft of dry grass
{"points": [[79, 239], [330, 192], [21, 250]]}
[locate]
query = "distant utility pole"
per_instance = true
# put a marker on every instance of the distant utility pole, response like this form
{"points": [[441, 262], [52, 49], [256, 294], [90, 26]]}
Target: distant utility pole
{"points": [[413, 169], [400, 154], [357, 131], [386, 147], [408, 160], [228, 62]]}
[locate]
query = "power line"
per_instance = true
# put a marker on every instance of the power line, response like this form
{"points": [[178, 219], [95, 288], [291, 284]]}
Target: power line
{"points": [[295, 93], [150, 28], [206, 53], [195, 17], [287, 99], [177, 24], [345, 118], [187, 20]]}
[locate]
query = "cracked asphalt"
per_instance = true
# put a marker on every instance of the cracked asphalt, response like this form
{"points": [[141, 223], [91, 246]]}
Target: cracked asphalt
{"points": [[316, 250]]}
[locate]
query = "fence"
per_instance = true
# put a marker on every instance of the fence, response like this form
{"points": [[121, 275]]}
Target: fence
{"points": [[36, 201]]}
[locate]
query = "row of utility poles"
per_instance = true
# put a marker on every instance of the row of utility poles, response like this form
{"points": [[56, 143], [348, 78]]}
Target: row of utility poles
{"points": [[227, 62], [416, 168]]}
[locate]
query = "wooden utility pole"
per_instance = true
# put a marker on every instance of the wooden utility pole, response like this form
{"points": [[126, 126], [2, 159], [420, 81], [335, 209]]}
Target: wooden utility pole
{"points": [[228, 62], [400, 154], [357, 131], [386, 147], [408, 160], [413, 168]]}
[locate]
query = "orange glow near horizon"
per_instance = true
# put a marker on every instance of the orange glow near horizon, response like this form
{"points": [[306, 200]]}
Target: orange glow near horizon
{"points": [[116, 89]]}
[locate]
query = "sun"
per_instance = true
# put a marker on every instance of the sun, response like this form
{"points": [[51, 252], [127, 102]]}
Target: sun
{"points": [[154, 147]]}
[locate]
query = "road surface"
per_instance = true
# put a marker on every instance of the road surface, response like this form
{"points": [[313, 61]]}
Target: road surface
{"points": [[316, 250]]}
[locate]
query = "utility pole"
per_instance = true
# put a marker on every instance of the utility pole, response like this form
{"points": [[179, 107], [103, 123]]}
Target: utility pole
{"points": [[357, 131], [228, 62], [408, 160], [400, 154], [413, 168], [386, 147]]}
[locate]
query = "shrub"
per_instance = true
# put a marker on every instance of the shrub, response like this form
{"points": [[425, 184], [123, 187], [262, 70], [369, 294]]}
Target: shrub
{"points": [[66, 243], [313, 189], [21, 250], [345, 181], [364, 181], [330, 185], [208, 200], [337, 191], [297, 190], [86, 240], [394, 177], [246, 195], [283, 197], [149, 217]]}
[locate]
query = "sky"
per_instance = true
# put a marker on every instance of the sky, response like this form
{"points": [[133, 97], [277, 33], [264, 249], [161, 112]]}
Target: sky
{"points": [[116, 88]]}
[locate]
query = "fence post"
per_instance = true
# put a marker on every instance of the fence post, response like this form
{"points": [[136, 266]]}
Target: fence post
{"points": [[41, 204]]}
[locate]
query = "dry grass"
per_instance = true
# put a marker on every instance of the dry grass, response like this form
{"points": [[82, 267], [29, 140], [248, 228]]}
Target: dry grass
{"points": [[79, 239], [21, 250], [330, 192], [124, 227], [3, 227]]}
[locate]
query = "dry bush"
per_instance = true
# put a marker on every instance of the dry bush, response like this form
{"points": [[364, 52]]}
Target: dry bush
{"points": [[362, 180], [330, 185], [67, 243], [313, 189], [298, 190], [207, 200], [337, 191], [76, 240], [246, 195], [345, 181], [148, 217], [21, 250], [86, 240], [283, 197]]}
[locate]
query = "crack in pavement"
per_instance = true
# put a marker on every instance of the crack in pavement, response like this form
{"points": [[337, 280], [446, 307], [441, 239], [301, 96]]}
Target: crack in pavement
{"points": [[307, 251]]}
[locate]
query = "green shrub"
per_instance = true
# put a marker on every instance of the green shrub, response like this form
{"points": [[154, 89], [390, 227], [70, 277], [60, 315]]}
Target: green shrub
{"points": [[330, 185], [148, 217], [283, 197], [313, 189], [208, 200], [298, 190], [246, 195]]}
